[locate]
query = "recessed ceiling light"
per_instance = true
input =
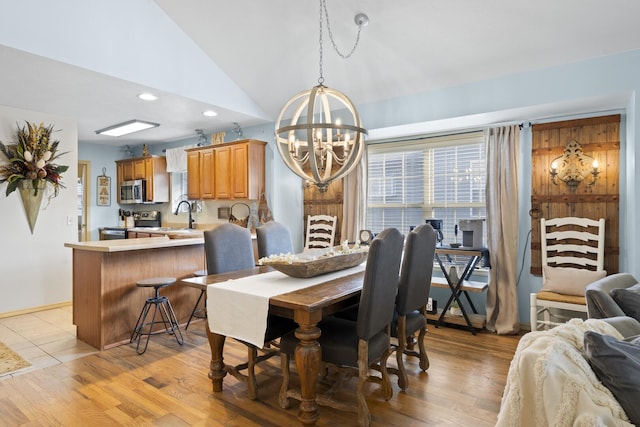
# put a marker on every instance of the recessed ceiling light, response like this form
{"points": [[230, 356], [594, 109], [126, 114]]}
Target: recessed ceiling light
{"points": [[126, 128], [146, 96], [209, 113]]}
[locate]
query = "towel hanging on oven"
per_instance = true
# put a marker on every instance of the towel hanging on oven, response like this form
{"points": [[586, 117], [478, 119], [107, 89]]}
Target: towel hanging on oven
{"points": [[242, 222]]}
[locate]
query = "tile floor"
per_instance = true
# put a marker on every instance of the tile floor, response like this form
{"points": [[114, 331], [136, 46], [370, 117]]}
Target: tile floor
{"points": [[44, 338]]}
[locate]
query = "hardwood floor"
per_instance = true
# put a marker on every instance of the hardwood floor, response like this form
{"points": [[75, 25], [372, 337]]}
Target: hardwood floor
{"points": [[168, 386]]}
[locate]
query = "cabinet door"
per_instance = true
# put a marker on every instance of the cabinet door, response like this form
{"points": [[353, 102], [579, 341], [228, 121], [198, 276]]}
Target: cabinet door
{"points": [[207, 174], [140, 168], [127, 171], [193, 175], [223, 171], [240, 162]]}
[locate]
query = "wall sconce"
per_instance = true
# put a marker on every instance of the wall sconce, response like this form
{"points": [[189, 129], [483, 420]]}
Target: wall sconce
{"points": [[573, 166]]}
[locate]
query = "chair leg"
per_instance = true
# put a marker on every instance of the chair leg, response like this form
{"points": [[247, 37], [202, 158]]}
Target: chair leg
{"points": [[533, 311], [364, 416], [403, 380], [283, 400], [424, 359]]}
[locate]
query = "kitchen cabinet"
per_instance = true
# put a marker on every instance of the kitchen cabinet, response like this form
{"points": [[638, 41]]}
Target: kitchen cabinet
{"points": [[223, 172], [233, 170], [153, 169]]}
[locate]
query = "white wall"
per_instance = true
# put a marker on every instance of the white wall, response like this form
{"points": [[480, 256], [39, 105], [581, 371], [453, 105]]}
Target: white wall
{"points": [[36, 268]]}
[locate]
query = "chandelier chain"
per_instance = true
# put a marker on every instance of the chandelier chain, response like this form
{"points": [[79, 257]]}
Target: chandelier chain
{"points": [[323, 8], [321, 78]]}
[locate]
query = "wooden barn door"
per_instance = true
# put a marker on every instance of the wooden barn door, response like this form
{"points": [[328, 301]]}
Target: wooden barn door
{"points": [[600, 139], [327, 203]]}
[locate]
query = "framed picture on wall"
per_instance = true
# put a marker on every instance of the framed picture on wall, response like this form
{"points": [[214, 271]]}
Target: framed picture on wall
{"points": [[104, 190]]}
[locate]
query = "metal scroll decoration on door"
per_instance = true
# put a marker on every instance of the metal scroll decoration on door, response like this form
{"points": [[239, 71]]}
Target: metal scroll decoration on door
{"points": [[104, 189]]}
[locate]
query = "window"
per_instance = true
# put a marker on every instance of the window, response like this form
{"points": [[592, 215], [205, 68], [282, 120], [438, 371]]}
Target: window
{"points": [[440, 177], [178, 190]]}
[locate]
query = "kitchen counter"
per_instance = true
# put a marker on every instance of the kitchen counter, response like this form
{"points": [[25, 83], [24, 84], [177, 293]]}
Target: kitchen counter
{"points": [[172, 233], [135, 244], [106, 300]]}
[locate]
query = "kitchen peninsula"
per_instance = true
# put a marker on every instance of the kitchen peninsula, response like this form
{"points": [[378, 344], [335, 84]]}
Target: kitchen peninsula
{"points": [[106, 300]]}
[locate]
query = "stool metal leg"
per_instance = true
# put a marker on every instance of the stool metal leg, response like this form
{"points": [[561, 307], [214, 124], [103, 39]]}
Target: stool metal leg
{"points": [[173, 322], [195, 308]]}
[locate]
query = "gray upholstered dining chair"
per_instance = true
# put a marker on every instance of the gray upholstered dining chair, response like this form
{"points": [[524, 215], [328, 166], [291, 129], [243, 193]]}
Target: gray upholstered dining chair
{"points": [[228, 247], [411, 301], [359, 345], [273, 238]]}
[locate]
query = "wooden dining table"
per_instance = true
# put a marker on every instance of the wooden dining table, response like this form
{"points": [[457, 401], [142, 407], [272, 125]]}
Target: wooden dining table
{"points": [[307, 307]]}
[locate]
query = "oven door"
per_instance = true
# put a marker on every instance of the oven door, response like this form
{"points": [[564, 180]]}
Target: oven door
{"points": [[113, 234]]}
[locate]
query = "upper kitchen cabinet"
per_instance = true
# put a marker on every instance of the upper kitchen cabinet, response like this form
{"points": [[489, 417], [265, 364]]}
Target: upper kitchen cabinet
{"points": [[200, 173], [153, 169], [233, 170]]}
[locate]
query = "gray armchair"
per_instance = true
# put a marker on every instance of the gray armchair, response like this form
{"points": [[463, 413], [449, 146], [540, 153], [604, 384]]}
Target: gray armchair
{"points": [[600, 304]]}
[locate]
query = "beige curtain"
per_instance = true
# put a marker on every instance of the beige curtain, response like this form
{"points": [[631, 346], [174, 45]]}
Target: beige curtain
{"points": [[502, 228], [354, 195]]}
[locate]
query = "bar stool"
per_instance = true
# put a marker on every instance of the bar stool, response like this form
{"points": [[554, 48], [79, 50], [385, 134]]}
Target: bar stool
{"points": [[167, 314], [200, 313]]}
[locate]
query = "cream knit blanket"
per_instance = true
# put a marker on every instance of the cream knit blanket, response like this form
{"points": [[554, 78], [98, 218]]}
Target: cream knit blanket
{"points": [[550, 383]]}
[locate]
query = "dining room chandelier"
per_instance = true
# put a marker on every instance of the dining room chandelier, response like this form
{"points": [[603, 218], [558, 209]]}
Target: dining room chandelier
{"points": [[318, 132]]}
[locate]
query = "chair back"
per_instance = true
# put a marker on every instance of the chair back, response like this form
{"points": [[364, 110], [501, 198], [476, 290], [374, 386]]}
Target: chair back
{"points": [[321, 231], [417, 269], [228, 248], [380, 286], [569, 242], [274, 238]]}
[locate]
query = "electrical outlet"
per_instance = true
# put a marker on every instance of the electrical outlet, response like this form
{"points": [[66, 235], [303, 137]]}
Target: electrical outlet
{"points": [[432, 306]]}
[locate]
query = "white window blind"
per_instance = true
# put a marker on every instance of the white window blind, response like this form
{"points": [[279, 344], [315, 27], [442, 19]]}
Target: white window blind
{"points": [[440, 177]]}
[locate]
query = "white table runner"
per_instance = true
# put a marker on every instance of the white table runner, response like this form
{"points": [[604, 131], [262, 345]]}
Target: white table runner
{"points": [[238, 308]]}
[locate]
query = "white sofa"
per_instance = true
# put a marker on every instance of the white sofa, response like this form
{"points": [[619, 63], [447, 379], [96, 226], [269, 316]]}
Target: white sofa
{"points": [[551, 382]]}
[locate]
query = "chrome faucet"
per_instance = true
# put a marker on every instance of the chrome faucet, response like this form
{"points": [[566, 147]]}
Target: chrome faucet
{"points": [[178, 208]]}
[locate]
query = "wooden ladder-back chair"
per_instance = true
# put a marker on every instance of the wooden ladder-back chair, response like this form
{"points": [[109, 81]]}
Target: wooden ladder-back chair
{"points": [[321, 231], [572, 251]]}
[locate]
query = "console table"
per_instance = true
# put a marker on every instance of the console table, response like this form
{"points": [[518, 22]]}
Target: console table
{"points": [[458, 286]]}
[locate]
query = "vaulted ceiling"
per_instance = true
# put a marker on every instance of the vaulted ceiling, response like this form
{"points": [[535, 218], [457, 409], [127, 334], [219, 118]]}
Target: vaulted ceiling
{"points": [[244, 59]]}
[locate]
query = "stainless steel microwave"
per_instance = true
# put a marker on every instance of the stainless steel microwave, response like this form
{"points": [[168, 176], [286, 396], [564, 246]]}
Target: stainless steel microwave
{"points": [[133, 191]]}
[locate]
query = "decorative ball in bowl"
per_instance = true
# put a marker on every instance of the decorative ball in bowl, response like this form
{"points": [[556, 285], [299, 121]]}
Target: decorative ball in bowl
{"points": [[455, 245]]}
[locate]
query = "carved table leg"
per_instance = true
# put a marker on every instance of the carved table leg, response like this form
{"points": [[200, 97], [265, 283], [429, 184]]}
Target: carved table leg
{"points": [[308, 356], [217, 372]]}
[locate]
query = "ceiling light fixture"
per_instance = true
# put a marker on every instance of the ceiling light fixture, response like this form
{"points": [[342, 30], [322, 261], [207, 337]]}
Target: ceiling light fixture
{"points": [[209, 113], [146, 96], [126, 128], [318, 133]]}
